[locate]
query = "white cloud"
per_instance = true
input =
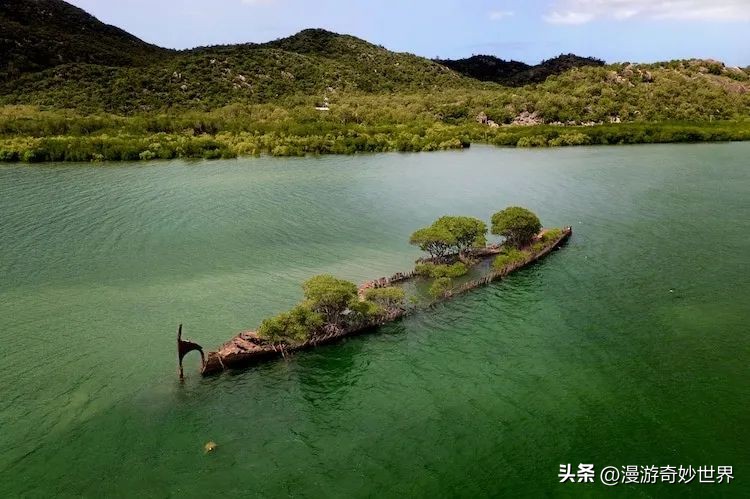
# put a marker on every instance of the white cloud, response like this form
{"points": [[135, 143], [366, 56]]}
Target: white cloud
{"points": [[583, 11], [568, 17], [497, 15]]}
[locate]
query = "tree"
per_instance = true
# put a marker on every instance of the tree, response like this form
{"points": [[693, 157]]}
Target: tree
{"points": [[435, 240], [294, 326], [362, 311], [518, 225], [468, 232], [388, 298], [329, 296]]}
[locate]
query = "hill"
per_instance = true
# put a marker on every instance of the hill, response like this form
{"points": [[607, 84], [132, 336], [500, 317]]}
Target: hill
{"points": [[75, 89], [58, 57], [312, 62], [514, 73], [40, 34]]}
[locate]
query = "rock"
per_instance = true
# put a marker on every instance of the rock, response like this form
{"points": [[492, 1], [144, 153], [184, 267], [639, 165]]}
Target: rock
{"points": [[527, 119]]}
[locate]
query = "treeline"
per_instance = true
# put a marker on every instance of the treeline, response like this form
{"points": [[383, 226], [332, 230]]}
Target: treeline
{"points": [[223, 145], [349, 140]]}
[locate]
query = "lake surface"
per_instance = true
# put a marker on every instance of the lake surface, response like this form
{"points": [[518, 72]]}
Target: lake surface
{"points": [[630, 346]]}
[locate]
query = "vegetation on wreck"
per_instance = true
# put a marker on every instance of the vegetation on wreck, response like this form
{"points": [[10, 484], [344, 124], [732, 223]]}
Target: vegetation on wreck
{"points": [[333, 308], [454, 244], [518, 225], [430, 269], [441, 286], [450, 234], [330, 305]]}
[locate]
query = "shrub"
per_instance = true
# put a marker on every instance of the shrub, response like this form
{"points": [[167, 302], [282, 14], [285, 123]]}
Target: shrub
{"points": [[551, 235], [329, 296], [509, 256], [211, 154], [388, 298], [363, 310], [441, 287], [570, 139], [532, 141], [294, 326], [8, 156], [429, 269], [34, 156]]}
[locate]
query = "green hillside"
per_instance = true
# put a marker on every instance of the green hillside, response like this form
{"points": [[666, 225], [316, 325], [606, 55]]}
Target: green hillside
{"points": [[40, 34], [73, 88], [312, 62]]}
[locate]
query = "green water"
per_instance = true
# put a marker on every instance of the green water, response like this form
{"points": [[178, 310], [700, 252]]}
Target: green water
{"points": [[587, 357]]}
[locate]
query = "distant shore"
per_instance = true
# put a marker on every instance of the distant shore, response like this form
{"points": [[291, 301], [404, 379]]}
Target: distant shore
{"points": [[92, 139]]}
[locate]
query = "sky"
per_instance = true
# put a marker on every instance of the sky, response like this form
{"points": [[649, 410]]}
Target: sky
{"points": [[525, 30]]}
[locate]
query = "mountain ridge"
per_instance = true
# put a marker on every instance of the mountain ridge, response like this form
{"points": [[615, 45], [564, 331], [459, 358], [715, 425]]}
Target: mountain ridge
{"points": [[514, 73], [41, 35]]}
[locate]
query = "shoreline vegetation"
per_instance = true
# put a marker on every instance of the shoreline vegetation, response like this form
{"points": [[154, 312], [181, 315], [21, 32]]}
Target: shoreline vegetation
{"points": [[459, 260], [28, 135]]}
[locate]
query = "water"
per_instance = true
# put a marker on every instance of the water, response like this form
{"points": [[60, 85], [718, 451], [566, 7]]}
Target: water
{"points": [[629, 346]]}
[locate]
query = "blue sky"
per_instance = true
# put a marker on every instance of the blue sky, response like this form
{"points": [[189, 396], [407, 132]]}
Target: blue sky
{"points": [[527, 30]]}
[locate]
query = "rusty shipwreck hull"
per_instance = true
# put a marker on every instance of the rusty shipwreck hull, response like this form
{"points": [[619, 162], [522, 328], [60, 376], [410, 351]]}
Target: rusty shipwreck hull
{"points": [[247, 348], [243, 351]]}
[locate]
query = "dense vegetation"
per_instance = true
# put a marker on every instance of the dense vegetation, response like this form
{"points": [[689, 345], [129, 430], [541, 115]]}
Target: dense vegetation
{"points": [[511, 254], [330, 305], [74, 89], [311, 63], [333, 306], [515, 73], [40, 34], [32, 135], [438, 270]]}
